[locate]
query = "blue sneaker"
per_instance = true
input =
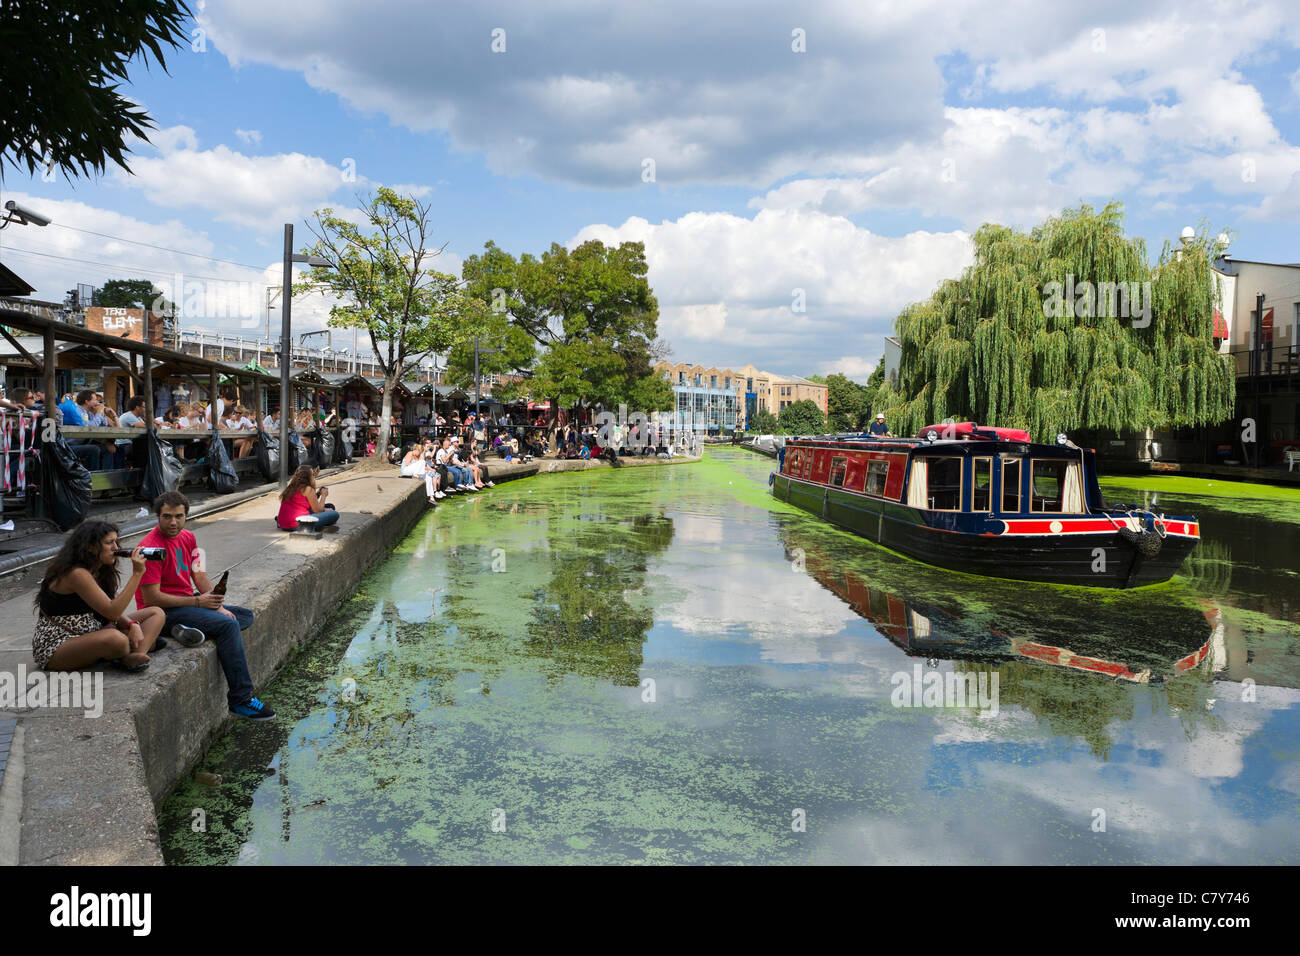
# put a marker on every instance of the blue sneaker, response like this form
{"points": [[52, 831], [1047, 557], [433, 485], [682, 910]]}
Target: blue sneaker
{"points": [[253, 709]]}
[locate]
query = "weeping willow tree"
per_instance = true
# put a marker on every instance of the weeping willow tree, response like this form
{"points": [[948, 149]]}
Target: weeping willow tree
{"points": [[1066, 327]]}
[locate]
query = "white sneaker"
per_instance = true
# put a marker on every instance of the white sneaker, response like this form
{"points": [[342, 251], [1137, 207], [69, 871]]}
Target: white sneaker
{"points": [[439, 494], [491, 484]]}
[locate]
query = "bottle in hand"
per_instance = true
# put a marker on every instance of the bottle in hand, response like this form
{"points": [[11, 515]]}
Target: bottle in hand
{"points": [[221, 585], [150, 554]]}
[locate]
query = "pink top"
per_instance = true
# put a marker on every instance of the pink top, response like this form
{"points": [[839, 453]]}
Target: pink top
{"points": [[291, 510]]}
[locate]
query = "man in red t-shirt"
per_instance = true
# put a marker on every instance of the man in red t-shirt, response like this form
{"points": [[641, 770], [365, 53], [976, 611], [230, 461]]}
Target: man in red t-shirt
{"points": [[194, 614]]}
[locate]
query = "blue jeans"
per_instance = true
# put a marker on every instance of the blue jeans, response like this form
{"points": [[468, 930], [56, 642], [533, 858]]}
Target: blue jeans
{"points": [[226, 634], [326, 517], [90, 454]]}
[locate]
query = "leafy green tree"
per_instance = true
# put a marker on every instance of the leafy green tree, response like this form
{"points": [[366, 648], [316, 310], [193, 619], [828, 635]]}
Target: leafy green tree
{"points": [[61, 71], [1003, 346], [802, 418], [126, 294], [380, 271], [763, 422], [578, 326], [844, 402]]}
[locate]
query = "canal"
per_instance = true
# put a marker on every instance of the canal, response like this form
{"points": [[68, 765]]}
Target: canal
{"points": [[665, 665]]}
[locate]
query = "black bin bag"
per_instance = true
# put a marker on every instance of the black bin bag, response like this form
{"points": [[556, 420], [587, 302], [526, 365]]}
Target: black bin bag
{"points": [[325, 454], [313, 451], [221, 473], [268, 455], [65, 484], [162, 469], [298, 454]]}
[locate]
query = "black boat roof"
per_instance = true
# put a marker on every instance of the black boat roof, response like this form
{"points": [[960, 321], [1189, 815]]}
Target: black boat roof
{"points": [[970, 445]]}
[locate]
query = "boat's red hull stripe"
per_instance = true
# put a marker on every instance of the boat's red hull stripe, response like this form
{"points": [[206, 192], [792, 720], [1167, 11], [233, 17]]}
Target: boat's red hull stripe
{"points": [[1057, 655], [1194, 658], [1055, 526]]}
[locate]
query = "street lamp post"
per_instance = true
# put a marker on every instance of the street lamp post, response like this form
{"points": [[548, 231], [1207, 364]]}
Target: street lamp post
{"points": [[478, 396], [286, 346]]}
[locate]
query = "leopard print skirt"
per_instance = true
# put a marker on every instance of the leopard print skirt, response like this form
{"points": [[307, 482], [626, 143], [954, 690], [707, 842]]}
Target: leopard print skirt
{"points": [[53, 631]]}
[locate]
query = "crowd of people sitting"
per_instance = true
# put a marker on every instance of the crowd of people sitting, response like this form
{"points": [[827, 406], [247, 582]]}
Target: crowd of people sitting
{"points": [[447, 467], [615, 441], [460, 466], [87, 408]]}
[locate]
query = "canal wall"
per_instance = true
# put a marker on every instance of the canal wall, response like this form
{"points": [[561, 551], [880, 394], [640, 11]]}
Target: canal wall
{"points": [[83, 790]]}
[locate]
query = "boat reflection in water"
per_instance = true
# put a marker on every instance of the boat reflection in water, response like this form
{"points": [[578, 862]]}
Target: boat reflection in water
{"points": [[1139, 642]]}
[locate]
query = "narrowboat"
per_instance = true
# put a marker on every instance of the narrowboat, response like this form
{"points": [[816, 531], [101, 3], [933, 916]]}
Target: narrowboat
{"points": [[985, 501]]}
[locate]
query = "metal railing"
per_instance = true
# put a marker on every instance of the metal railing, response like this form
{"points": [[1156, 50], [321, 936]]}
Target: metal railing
{"points": [[226, 347], [1283, 360]]}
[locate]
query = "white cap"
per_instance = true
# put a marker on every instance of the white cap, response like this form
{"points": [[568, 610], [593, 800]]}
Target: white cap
{"points": [[881, 416]]}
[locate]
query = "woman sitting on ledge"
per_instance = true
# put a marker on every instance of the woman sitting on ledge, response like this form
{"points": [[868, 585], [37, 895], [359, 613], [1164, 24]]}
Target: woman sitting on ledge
{"points": [[302, 497], [80, 623], [413, 461]]}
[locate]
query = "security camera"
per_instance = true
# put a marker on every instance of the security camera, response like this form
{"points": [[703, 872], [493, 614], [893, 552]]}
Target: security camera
{"points": [[25, 216]]}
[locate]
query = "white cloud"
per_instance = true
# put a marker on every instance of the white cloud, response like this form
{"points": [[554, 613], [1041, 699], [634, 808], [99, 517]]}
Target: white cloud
{"points": [[413, 190], [712, 95], [727, 285], [724, 99], [853, 367], [249, 137], [259, 192]]}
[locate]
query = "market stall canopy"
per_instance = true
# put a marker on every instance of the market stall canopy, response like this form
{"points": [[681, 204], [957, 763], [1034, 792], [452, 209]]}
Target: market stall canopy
{"points": [[310, 377]]}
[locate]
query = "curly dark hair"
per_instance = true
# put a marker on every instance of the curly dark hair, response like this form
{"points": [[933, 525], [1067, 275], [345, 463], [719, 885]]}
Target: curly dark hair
{"points": [[81, 550]]}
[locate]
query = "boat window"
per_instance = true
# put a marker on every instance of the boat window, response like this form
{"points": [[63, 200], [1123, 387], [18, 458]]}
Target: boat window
{"points": [[1056, 486], [877, 473], [838, 467], [982, 489], [1011, 485], [944, 484]]}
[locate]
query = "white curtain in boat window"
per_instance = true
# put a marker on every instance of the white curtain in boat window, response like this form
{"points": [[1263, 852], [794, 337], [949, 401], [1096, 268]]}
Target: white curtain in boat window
{"points": [[1072, 493], [920, 625], [918, 485]]}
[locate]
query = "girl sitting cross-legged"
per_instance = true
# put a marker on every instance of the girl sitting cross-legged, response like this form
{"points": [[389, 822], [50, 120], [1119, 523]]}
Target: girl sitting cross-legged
{"points": [[302, 497], [83, 615]]}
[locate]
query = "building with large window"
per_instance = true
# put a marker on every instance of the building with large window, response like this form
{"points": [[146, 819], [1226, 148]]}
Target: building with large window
{"points": [[715, 399], [707, 400]]}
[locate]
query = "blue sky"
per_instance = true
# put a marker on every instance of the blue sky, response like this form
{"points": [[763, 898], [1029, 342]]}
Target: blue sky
{"points": [[854, 168]]}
